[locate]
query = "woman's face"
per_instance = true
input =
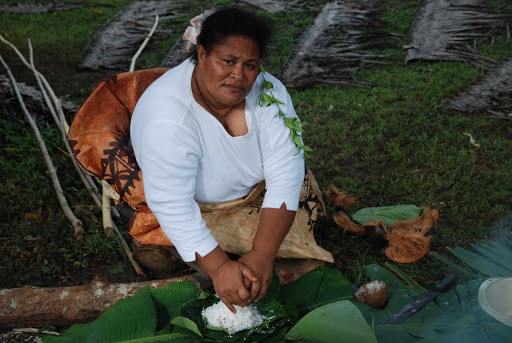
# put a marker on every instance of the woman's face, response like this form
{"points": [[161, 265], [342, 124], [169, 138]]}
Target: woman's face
{"points": [[227, 73]]}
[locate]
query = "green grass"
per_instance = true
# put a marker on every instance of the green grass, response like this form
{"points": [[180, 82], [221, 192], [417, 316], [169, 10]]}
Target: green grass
{"points": [[386, 144]]}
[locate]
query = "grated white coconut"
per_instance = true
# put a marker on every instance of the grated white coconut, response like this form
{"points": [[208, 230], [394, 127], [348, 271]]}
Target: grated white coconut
{"points": [[219, 316]]}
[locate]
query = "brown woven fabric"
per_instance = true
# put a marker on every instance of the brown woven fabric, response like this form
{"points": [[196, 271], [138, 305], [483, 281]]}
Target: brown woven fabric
{"points": [[99, 138]]}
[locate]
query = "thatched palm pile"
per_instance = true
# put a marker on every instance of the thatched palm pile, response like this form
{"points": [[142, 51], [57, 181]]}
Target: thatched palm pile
{"points": [[276, 6], [449, 30], [492, 93], [114, 45], [337, 43], [40, 7]]}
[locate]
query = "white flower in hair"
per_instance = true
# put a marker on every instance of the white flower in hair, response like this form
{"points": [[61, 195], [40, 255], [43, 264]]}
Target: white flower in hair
{"points": [[193, 31]]}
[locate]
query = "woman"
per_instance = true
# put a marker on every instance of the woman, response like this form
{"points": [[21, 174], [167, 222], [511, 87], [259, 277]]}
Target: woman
{"points": [[199, 134]]}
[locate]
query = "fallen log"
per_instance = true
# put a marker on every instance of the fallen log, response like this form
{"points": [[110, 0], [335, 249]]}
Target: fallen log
{"points": [[37, 307]]}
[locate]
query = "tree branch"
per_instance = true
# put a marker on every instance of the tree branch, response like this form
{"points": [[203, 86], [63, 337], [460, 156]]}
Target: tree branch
{"points": [[77, 224]]}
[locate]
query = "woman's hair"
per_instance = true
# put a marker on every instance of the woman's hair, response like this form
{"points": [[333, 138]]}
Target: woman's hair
{"points": [[233, 21]]}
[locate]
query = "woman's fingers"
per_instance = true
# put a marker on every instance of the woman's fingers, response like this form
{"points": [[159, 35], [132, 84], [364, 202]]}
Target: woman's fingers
{"points": [[229, 304], [255, 289], [247, 282], [264, 288], [248, 272]]}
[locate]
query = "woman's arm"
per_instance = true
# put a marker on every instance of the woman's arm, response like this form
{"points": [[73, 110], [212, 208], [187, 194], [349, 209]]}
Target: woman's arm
{"points": [[283, 168], [272, 229]]}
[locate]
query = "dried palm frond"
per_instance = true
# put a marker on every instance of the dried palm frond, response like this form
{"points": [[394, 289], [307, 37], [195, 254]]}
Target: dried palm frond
{"points": [[33, 100], [275, 6], [114, 45], [492, 93], [41, 7], [336, 44], [446, 29], [176, 55]]}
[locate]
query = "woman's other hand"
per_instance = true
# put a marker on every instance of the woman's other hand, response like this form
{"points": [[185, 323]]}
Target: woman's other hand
{"points": [[262, 265], [228, 278]]}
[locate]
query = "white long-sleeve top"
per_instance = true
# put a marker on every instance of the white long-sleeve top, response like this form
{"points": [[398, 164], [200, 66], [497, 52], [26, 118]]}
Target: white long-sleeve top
{"points": [[186, 155]]}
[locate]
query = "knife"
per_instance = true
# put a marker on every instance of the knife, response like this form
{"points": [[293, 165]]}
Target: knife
{"points": [[408, 310]]}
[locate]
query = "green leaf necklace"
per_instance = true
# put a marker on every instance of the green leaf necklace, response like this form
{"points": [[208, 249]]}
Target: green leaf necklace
{"points": [[294, 124]]}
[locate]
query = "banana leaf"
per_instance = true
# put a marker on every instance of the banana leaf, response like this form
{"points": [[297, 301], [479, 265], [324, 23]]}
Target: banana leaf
{"points": [[173, 313], [388, 214], [454, 316], [319, 287], [128, 319], [323, 325]]}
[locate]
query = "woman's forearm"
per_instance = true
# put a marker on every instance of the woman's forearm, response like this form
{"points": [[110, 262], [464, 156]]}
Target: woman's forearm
{"points": [[272, 229]]}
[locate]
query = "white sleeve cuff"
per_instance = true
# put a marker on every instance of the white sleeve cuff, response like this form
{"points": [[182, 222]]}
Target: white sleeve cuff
{"points": [[292, 204], [204, 248]]}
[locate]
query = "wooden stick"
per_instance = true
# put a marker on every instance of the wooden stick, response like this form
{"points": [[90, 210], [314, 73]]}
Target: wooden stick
{"points": [[108, 193], [77, 224], [59, 121], [134, 58], [43, 79], [111, 228]]}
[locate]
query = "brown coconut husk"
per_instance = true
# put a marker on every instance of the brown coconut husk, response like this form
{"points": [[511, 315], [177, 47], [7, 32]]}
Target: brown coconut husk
{"points": [[342, 220], [406, 247], [407, 239], [339, 198]]}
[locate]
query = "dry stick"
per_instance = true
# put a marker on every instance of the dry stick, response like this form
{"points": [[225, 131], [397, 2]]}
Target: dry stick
{"points": [[77, 224], [108, 193], [43, 79], [65, 129], [61, 128], [109, 225], [134, 58]]}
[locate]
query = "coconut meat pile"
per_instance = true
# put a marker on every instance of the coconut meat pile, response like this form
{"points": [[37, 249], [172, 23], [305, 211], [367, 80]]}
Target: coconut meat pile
{"points": [[219, 316]]}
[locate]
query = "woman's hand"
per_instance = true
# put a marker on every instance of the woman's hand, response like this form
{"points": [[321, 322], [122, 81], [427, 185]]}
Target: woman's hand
{"points": [[227, 277], [262, 265], [229, 285]]}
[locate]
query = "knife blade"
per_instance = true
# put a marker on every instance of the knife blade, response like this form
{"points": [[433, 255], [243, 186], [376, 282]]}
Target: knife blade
{"points": [[408, 310]]}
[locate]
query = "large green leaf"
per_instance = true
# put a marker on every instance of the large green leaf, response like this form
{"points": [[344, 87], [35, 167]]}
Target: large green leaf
{"points": [[319, 287], [174, 296], [127, 319], [388, 214], [336, 322], [186, 323], [484, 265], [454, 316]]}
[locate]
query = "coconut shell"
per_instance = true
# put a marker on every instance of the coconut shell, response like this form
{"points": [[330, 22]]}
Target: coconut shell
{"points": [[373, 293]]}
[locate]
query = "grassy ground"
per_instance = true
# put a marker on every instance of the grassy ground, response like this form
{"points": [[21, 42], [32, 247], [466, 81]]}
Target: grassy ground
{"points": [[386, 144]]}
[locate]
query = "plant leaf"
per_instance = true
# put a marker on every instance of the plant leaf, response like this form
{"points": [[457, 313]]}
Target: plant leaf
{"points": [[173, 297], [186, 323], [127, 319], [318, 287], [483, 265], [388, 214], [327, 324]]}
